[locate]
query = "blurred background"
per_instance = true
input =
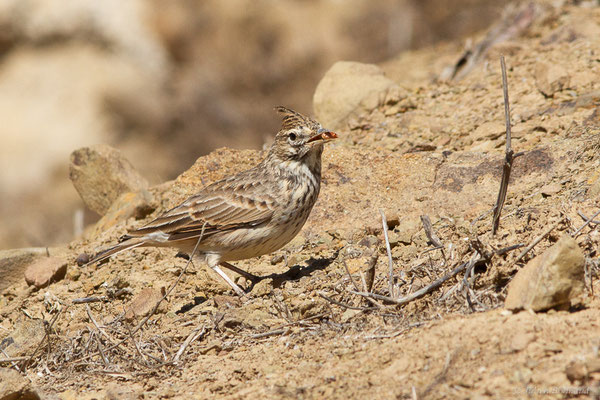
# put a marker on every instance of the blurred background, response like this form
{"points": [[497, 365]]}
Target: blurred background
{"points": [[168, 81]]}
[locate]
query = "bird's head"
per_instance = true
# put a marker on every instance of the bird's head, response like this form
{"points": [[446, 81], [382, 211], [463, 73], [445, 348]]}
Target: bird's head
{"points": [[299, 137]]}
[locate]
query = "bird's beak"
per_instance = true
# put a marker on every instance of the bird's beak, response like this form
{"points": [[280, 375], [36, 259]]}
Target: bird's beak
{"points": [[324, 135]]}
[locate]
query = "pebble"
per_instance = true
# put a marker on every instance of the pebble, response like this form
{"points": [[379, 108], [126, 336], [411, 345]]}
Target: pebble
{"points": [[550, 280], [45, 271]]}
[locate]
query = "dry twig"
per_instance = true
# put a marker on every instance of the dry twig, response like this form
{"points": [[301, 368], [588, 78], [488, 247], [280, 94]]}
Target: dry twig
{"points": [[158, 303], [344, 305], [590, 220], [419, 293], [389, 252], [198, 332], [433, 238], [536, 241], [508, 157]]}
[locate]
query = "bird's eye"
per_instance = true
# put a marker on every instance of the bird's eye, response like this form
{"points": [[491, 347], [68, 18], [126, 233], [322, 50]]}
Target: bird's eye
{"points": [[292, 136]]}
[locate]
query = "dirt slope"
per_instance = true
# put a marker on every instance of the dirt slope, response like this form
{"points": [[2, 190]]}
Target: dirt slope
{"points": [[303, 333]]}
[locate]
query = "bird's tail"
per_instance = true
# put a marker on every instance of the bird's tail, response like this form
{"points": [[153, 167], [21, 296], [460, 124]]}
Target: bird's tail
{"points": [[128, 243]]}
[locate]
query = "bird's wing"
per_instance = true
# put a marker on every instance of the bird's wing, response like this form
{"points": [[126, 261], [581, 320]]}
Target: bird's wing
{"points": [[221, 206]]}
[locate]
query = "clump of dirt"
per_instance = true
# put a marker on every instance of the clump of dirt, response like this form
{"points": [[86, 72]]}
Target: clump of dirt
{"points": [[309, 329]]}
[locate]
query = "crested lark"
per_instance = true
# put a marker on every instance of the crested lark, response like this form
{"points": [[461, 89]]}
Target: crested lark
{"points": [[252, 213]]}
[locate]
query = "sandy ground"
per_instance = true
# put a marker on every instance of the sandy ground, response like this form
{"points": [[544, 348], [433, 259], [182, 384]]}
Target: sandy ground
{"points": [[303, 333]]}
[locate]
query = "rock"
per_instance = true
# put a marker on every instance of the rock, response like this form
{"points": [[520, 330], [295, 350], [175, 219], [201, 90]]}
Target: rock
{"points": [[551, 280], [263, 288], [143, 303], [348, 87], [14, 262], [257, 319], [45, 271], [520, 341], [224, 302], [24, 339], [551, 189], [488, 130], [550, 78], [131, 204], [14, 386], [119, 391], [101, 174], [407, 229], [349, 314], [313, 307]]}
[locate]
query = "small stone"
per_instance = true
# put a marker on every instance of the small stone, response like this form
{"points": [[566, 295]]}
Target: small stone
{"points": [[263, 288], [369, 241], [257, 319], [14, 386], [394, 239], [551, 280], [82, 259], [119, 391], [407, 228], [488, 131], [576, 371], [45, 271], [551, 78], [349, 314], [520, 341], [13, 264], [551, 189], [101, 174], [277, 258], [313, 307], [143, 303], [224, 301]]}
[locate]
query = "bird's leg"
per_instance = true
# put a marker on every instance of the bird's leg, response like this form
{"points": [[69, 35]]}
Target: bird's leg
{"points": [[252, 278], [231, 283]]}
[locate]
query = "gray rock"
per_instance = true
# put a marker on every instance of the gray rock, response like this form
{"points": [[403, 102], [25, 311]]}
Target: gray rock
{"points": [[45, 271], [14, 386], [101, 174], [348, 87], [24, 339], [551, 280]]}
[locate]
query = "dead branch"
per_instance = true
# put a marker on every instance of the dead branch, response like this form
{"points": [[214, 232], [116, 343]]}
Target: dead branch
{"points": [[370, 279], [349, 274], [535, 242], [195, 334], [433, 238], [508, 156], [158, 303], [269, 333], [419, 293], [12, 359], [84, 300], [590, 220], [582, 215], [389, 252], [48, 329], [343, 305]]}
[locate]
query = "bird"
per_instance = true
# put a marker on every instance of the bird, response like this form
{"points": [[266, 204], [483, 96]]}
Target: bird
{"points": [[246, 215]]}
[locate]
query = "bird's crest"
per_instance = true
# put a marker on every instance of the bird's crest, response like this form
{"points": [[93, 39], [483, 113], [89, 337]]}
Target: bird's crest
{"points": [[292, 119]]}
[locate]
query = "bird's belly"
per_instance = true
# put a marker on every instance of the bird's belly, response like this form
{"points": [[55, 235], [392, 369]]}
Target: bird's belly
{"points": [[257, 241]]}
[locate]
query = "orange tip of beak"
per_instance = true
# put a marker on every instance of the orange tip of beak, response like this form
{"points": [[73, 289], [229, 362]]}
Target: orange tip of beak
{"points": [[323, 135]]}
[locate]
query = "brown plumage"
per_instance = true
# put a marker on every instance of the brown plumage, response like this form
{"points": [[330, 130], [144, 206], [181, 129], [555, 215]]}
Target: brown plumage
{"points": [[249, 214]]}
